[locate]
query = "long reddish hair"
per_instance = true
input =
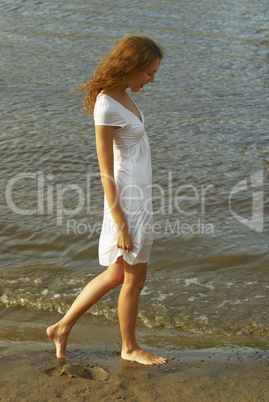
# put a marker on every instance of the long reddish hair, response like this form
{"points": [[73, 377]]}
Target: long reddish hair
{"points": [[132, 54]]}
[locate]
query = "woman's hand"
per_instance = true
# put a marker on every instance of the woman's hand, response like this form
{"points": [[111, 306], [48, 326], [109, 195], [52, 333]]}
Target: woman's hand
{"points": [[124, 240]]}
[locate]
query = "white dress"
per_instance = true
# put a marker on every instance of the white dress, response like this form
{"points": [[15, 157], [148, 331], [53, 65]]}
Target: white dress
{"points": [[133, 176]]}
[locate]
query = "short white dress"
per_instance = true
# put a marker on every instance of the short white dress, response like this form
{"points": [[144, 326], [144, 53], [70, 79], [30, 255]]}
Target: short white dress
{"points": [[133, 176]]}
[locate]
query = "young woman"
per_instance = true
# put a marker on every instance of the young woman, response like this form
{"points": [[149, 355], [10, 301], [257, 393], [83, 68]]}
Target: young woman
{"points": [[124, 159]]}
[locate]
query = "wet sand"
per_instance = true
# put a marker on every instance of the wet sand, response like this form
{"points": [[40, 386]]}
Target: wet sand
{"points": [[30, 371]]}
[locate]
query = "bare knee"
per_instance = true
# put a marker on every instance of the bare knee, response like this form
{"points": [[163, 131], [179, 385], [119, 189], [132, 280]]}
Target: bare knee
{"points": [[135, 277], [141, 280], [141, 283]]}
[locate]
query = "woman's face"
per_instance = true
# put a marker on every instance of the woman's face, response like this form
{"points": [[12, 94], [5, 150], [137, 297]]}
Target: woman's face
{"points": [[144, 77]]}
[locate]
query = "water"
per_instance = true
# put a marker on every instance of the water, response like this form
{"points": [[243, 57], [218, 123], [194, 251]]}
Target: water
{"points": [[207, 121]]}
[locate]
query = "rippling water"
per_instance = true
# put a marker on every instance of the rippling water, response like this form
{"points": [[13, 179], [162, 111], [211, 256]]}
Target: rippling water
{"points": [[207, 120]]}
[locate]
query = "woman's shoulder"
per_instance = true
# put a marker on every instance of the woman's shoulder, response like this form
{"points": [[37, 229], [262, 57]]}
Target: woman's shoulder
{"points": [[106, 112], [103, 99]]}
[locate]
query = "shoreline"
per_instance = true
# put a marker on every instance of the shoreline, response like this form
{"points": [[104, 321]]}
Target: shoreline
{"points": [[30, 372], [197, 370]]}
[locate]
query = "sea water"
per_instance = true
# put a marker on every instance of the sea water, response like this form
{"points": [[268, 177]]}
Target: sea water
{"points": [[206, 117]]}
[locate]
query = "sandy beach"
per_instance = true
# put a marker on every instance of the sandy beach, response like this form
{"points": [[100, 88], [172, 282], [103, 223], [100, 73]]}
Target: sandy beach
{"points": [[95, 372]]}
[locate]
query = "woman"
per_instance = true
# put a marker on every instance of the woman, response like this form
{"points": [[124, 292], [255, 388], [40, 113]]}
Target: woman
{"points": [[124, 159]]}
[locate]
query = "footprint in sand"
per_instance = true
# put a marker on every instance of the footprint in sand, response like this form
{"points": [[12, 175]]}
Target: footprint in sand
{"points": [[79, 370]]}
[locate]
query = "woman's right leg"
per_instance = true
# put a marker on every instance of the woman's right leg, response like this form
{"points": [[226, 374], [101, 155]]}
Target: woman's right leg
{"points": [[93, 291]]}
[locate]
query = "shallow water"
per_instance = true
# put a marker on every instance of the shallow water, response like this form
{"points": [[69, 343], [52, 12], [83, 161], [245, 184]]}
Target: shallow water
{"points": [[207, 121]]}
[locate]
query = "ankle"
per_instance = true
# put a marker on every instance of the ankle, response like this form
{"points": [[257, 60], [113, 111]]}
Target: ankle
{"points": [[129, 348], [61, 329]]}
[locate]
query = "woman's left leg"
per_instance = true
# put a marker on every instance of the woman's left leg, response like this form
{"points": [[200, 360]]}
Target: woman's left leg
{"points": [[134, 278]]}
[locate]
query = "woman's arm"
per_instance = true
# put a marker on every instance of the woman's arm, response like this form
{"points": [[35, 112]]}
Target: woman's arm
{"points": [[104, 146]]}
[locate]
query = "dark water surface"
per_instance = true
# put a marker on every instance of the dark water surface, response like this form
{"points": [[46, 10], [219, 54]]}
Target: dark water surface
{"points": [[207, 121]]}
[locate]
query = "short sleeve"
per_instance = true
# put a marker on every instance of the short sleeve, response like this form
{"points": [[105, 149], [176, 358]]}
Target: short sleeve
{"points": [[106, 115]]}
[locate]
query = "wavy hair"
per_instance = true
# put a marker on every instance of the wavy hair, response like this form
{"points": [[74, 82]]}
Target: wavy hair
{"points": [[132, 54]]}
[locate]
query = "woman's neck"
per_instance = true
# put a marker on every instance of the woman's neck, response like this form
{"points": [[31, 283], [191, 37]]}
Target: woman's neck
{"points": [[117, 93]]}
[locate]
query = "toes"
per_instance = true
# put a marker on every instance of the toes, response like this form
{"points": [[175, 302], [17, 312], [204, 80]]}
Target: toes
{"points": [[143, 357], [160, 360], [156, 360]]}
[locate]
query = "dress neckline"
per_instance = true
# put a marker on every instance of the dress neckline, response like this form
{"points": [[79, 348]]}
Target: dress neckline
{"points": [[139, 111]]}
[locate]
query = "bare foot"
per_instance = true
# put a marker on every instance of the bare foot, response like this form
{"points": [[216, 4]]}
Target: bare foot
{"points": [[60, 340], [143, 357]]}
